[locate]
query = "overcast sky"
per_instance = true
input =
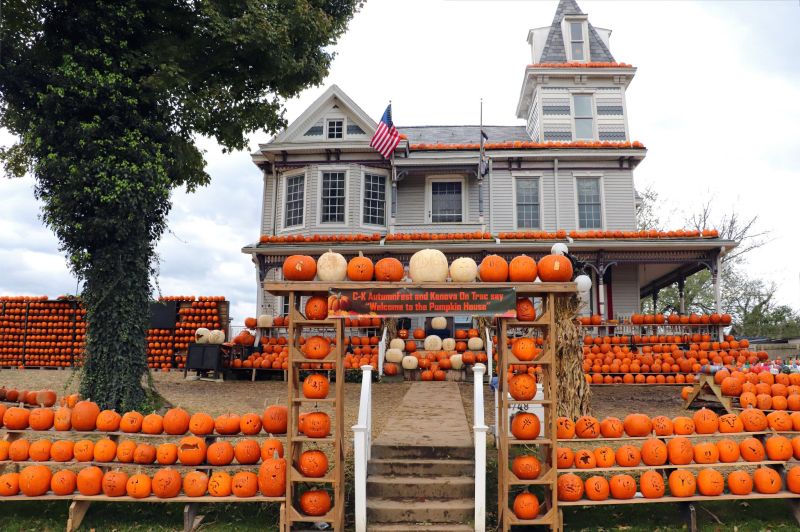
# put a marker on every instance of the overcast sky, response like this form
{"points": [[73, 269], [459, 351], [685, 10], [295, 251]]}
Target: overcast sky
{"points": [[716, 100]]}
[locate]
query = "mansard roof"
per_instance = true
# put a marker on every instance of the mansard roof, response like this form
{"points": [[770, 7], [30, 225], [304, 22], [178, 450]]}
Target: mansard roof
{"points": [[554, 51]]}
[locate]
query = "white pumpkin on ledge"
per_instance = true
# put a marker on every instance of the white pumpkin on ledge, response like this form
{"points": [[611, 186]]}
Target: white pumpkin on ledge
{"points": [[428, 266]]}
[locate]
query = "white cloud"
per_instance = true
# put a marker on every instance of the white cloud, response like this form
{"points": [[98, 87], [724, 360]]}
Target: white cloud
{"points": [[715, 100]]}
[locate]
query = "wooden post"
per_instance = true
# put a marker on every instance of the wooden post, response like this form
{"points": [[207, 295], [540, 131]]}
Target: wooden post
{"points": [[77, 511]]}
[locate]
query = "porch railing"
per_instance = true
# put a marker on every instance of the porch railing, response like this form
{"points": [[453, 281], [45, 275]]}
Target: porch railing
{"points": [[479, 430], [362, 446]]}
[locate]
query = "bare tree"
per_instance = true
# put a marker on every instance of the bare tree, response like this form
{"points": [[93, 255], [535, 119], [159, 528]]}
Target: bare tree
{"points": [[646, 213], [731, 226]]}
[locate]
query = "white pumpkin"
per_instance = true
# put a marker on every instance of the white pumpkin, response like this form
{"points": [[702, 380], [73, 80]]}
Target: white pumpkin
{"points": [[410, 362], [216, 337], [264, 320], [432, 343], [394, 355], [439, 323], [559, 248], [448, 344], [332, 267], [201, 335], [428, 266], [456, 361], [475, 344], [397, 343], [463, 270]]}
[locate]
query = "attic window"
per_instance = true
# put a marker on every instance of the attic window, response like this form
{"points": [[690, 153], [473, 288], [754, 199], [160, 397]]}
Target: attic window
{"points": [[335, 129], [577, 30]]}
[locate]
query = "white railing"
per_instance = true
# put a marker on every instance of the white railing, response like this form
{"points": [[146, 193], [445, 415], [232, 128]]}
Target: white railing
{"points": [[490, 360], [381, 352], [362, 446], [479, 430]]}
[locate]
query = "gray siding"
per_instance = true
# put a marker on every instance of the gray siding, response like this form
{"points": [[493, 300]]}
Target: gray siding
{"points": [[619, 199], [411, 204], [567, 201], [625, 289], [267, 203]]}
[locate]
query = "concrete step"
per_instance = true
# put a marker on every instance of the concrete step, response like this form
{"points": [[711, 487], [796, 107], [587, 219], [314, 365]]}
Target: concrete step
{"points": [[421, 467], [399, 487], [418, 527], [420, 510], [423, 452]]}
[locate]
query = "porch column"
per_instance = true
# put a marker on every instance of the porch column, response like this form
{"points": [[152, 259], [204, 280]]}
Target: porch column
{"points": [[715, 277], [655, 301], [393, 217], [480, 202], [681, 294], [259, 289]]}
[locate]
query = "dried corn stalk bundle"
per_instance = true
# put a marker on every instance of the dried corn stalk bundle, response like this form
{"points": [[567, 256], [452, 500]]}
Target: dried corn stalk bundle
{"points": [[574, 395]]}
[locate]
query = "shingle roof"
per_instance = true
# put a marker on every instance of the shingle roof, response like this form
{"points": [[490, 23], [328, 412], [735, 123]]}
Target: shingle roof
{"points": [[463, 134], [554, 52]]}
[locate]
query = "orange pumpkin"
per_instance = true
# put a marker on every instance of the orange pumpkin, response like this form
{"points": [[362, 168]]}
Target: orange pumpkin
{"points": [[316, 308], [779, 448], [167, 454], [587, 427], [522, 269], [299, 268], [272, 477], [524, 349], [662, 426], [730, 423], [753, 420], [316, 386], [16, 418], [740, 482], [706, 453], [493, 269], [195, 484], [526, 311], [90, 480], [41, 418], [565, 428], [313, 464], [622, 486], [114, 483], [219, 453], [227, 424], [131, 422], [9, 484], [192, 450], [767, 480], [105, 450], [139, 486], [269, 447], [39, 451], [153, 424], [64, 482], [651, 484], [525, 467], [316, 347], [604, 457], [710, 482], [275, 419], [728, 451], [654, 452], [84, 416], [638, 425], [526, 506], [62, 451], [176, 422], [83, 451], [565, 458], [360, 268], [35, 480], [683, 425], [682, 483], [389, 270], [679, 451], [555, 269], [166, 483], [525, 426], [250, 424], [522, 386], [315, 502], [751, 450], [611, 427], [569, 487], [792, 479], [705, 421], [317, 425], [628, 456], [596, 488]]}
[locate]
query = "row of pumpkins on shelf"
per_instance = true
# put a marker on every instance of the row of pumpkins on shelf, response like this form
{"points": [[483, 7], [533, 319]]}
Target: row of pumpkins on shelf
{"points": [[681, 482], [166, 483], [703, 421], [430, 265]]}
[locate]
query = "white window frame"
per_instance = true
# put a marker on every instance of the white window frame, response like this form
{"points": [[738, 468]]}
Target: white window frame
{"points": [[601, 187], [593, 104], [326, 169], [527, 175], [328, 120], [387, 197], [429, 197], [566, 33], [285, 185]]}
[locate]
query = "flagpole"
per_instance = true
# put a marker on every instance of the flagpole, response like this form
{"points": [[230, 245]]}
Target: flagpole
{"points": [[480, 173]]}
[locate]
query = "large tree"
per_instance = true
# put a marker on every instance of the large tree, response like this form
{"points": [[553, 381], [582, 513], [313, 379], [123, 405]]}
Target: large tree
{"points": [[106, 100]]}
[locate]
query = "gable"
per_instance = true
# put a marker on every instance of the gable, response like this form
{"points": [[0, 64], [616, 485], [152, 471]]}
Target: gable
{"points": [[333, 118]]}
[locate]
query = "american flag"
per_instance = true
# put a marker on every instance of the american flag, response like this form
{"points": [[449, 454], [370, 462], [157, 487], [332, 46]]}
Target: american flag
{"points": [[386, 137]]}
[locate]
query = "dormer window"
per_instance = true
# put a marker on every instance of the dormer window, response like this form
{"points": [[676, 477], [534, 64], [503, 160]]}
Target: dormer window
{"points": [[575, 29], [576, 40], [335, 128]]}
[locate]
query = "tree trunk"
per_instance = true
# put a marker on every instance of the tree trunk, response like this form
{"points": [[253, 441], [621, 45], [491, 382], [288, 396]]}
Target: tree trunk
{"points": [[116, 296]]}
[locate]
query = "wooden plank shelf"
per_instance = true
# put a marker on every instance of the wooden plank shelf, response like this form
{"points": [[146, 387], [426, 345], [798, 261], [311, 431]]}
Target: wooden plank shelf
{"points": [[639, 499], [533, 402], [621, 469], [546, 477], [297, 476], [690, 436], [307, 400], [548, 518]]}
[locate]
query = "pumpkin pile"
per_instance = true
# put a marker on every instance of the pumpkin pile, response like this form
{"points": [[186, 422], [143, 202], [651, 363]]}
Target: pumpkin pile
{"points": [[433, 355], [44, 398], [762, 390], [659, 359], [427, 265]]}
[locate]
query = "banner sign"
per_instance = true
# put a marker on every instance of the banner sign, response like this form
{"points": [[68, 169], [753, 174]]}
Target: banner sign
{"points": [[391, 303]]}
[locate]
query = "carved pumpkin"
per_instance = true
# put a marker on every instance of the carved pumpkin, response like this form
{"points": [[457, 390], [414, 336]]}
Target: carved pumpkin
{"points": [[428, 265], [728, 451], [526, 506], [250, 424], [63, 451], [313, 464], [299, 268], [317, 386], [316, 308], [525, 426], [604, 457], [584, 459], [654, 452], [360, 268], [35, 480], [317, 425], [219, 453], [331, 267], [651, 484], [115, 483], [131, 422], [596, 488], [275, 419], [522, 386], [18, 450], [64, 482], [493, 269], [565, 428], [779, 448], [706, 453], [153, 424], [730, 423], [195, 484], [628, 456], [524, 349], [622, 486], [751, 450], [39, 451], [317, 347], [83, 451], [167, 454], [526, 311], [587, 427], [270, 447], [62, 420], [139, 486], [779, 421], [9, 484], [201, 335], [682, 425], [792, 479], [555, 269], [90, 480], [125, 451], [662, 426], [740, 482], [612, 427], [166, 483], [105, 450], [705, 421], [244, 484], [710, 482], [565, 458], [272, 477], [315, 502], [176, 421], [680, 451], [227, 424], [569, 487], [526, 467], [144, 454], [389, 270], [753, 420], [463, 270], [765, 479], [192, 450]]}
